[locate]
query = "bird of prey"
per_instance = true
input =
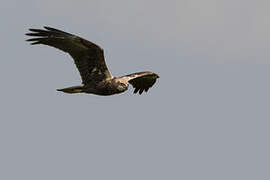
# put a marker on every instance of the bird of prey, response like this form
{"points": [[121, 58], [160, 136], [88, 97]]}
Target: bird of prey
{"points": [[89, 60]]}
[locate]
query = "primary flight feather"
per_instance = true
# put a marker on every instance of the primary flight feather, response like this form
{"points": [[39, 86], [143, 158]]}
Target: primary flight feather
{"points": [[90, 61]]}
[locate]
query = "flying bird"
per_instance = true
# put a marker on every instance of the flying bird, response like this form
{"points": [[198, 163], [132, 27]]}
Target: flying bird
{"points": [[89, 60]]}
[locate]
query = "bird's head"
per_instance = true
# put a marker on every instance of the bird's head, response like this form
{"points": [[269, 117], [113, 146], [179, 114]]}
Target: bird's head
{"points": [[121, 84], [122, 87]]}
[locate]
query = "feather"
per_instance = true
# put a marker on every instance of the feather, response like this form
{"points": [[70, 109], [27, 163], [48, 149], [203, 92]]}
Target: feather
{"points": [[141, 81], [89, 60], [86, 54]]}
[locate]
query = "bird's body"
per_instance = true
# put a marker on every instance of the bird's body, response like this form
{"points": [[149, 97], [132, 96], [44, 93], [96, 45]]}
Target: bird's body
{"points": [[90, 61], [104, 88]]}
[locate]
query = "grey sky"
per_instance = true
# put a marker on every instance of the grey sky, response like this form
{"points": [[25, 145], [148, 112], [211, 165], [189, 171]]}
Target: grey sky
{"points": [[206, 118]]}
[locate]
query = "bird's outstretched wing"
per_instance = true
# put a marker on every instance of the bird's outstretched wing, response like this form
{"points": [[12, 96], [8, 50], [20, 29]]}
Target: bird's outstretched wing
{"points": [[88, 57], [141, 81]]}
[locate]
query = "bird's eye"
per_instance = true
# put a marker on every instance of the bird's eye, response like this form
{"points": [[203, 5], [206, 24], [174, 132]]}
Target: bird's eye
{"points": [[122, 84]]}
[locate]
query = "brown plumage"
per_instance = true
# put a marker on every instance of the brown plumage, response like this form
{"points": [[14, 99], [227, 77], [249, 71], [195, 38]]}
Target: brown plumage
{"points": [[90, 61]]}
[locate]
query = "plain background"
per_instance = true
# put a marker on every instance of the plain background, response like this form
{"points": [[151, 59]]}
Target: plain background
{"points": [[206, 118]]}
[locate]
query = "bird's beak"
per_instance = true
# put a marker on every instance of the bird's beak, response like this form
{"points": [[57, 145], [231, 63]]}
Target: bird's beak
{"points": [[126, 87]]}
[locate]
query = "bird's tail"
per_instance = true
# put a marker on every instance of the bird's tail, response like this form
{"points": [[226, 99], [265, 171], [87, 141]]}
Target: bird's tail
{"points": [[72, 90]]}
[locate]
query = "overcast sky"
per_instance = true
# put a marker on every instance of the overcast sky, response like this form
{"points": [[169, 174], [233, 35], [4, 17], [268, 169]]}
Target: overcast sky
{"points": [[207, 117]]}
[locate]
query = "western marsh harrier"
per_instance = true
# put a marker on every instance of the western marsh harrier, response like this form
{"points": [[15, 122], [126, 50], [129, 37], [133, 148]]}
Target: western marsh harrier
{"points": [[90, 61]]}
